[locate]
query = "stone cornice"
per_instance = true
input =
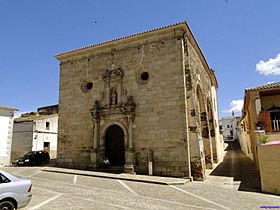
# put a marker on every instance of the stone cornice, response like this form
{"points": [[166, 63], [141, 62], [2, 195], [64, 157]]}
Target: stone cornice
{"points": [[175, 30], [123, 40]]}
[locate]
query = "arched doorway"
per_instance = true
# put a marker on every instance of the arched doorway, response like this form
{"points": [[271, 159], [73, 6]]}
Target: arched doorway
{"points": [[114, 145]]}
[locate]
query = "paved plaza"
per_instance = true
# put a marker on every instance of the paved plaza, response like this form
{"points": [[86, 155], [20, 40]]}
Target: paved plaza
{"points": [[231, 185]]}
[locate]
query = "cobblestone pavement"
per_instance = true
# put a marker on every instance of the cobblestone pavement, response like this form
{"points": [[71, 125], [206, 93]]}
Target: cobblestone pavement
{"points": [[225, 188]]}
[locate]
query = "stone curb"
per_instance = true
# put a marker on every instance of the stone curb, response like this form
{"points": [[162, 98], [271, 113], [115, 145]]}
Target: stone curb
{"points": [[123, 176]]}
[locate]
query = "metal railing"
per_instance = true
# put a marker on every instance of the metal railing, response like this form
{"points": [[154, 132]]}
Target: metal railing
{"points": [[275, 125]]}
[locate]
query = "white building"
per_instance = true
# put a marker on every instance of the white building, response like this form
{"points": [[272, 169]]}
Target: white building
{"points": [[36, 131], [6, 130], [230, 127]]}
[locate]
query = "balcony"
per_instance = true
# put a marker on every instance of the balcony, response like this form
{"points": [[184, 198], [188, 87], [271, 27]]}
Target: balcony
{"points": [[269, 121]]}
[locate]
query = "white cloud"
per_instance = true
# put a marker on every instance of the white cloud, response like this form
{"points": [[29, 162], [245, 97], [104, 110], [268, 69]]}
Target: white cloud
{"points": [[272, 66], [235, 106]]}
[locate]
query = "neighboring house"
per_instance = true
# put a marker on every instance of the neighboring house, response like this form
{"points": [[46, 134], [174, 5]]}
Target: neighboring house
{"points": [[36, 131], [6, 131], [261, 116], [150, 94], [261, 119], [230, 128]]}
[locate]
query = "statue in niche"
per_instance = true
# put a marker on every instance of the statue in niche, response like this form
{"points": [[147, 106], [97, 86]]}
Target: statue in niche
{"points": [[113, 97]]}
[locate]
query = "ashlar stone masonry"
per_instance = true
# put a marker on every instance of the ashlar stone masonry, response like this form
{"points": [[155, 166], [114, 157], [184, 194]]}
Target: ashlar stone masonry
{"points": [[148, 96]]}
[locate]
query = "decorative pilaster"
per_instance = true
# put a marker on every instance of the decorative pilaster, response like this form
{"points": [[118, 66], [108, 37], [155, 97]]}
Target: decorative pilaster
{"points": [[95, 112], [129, 132], [129, 157]]}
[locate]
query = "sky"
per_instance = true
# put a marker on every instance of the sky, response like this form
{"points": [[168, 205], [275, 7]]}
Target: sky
{"points": [[240, 40]]}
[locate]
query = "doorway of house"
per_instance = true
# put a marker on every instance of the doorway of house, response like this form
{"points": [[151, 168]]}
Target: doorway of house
{"points": [[114, 145], [47, 146]]}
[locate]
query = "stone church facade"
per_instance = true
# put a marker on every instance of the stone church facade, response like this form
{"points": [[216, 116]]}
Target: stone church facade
{"points": [[149, 96]]}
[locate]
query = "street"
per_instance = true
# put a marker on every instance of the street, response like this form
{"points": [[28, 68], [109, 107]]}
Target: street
{"points": [[67, 191]]}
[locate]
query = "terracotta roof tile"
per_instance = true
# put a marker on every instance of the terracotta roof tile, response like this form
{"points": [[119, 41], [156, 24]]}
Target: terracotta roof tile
{"points": [[113, 40], [265, 86], [32, 118]]}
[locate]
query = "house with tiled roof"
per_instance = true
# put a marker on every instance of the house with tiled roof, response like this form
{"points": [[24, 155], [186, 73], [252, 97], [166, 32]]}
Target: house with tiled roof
{"points": [[35, 131], [260, 129], [260, 116], [6, 131]]}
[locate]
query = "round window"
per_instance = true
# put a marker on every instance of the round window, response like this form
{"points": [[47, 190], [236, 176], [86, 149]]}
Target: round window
{"points": [[144, 76], [86, 86], [89, 85]]}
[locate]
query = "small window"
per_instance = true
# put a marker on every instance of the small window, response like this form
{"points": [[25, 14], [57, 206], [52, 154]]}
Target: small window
{"points": [[47, 125]]}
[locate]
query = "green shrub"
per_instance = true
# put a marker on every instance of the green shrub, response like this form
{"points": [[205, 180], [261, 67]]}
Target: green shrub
{"points": [[264, 139]]}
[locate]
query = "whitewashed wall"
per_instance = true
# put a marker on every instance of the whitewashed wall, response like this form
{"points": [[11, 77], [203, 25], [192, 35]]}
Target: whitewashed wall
{"points": [[233, 126], [6, 129], [42, 135]]}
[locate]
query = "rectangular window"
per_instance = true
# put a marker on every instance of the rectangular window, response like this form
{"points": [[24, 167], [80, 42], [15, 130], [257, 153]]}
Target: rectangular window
{"points": [[47, 125]]}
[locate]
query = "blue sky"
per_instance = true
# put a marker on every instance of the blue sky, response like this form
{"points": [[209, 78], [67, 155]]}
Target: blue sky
{"points": [[234, 36]]}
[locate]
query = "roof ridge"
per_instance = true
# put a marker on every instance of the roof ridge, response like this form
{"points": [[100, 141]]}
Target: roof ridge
{"points": [[265, 86], [121, 38], [8, 108]]}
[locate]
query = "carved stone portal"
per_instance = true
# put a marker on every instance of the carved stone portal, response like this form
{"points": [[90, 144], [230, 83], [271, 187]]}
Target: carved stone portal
{"points": [[116, 106]]}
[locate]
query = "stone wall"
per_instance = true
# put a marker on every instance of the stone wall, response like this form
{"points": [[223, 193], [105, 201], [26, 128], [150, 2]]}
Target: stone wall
{"points": [[159, 124], [147, 84], [199, 92]]}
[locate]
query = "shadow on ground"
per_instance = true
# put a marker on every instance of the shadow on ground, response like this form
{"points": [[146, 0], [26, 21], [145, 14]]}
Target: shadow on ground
{"points": [[237, 165]]}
